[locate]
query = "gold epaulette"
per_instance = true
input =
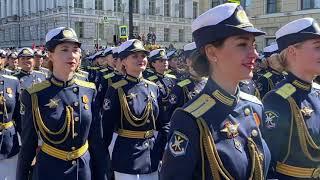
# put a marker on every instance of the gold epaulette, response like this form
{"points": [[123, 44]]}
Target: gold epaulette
{"points": [[110, 75], [184, 82], [38, 87], [249, 97], [170, 76], [316, 85], [39, 72], [286, 90], [85, 84], [150, 71], [152, 78], [79, 74], [267, 75], [200, 106], [104, 70], [149, 82], [10, 77], [119, 84], [83, 72], [95, 68]]}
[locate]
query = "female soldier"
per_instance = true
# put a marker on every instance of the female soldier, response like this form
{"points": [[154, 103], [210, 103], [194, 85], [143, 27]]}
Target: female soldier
{"points": [[216, 134], [191, 85], [274, 75], [27, 75], [58, 111], [133, 105], [291, 126], [9, 125]]}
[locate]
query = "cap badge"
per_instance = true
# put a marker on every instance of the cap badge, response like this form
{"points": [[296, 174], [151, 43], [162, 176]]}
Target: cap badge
{"points": [[242, 17], [67, 33]]}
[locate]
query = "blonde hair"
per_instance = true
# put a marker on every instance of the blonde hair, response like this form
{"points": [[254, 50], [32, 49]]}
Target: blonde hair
{"points": [[278, 61]]}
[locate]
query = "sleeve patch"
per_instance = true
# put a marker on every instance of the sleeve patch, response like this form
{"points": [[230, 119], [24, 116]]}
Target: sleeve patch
{"points": [[178, 144]]}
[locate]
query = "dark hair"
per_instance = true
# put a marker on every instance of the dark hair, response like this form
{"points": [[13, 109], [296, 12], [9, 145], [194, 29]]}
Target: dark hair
{"points": [[199, 60]]}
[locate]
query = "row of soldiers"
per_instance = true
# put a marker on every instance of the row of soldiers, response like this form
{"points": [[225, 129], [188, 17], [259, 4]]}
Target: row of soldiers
{"points": [[138, 114]]}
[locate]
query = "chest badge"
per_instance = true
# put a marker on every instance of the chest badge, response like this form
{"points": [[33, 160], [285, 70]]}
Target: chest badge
{"points": [[306, 111], [85, 99], [9, 92], [230, 129], [53, 103]]}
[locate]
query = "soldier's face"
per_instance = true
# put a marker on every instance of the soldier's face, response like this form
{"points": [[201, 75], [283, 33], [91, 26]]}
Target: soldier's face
{"points": [[173, 63], [38, 61], [161, 65], [111, 61], [235, 59], [135, 63], [26, 63], [65, 58], [305, 57], [13, 62]]}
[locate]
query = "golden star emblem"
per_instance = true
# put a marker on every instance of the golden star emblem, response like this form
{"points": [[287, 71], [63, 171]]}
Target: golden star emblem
{"points": [[53, 103], [177, 143], [230, 129], [306, 111]]}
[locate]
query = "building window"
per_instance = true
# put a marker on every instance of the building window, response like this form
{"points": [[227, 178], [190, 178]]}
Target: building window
{"points": [[195, 10], [98, 4], [166, 34], [79, 29], [310, 4], [101, 30], [166, 7], [135, 7], [78, 3], [181, 35], [117, 5], [181, 8], [152, 29], [135, 31], [215, 3], [152, 7], [273, 6], [270, 40]]}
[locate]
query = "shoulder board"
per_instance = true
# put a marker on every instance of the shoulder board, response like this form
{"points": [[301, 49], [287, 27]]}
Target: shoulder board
{"points": [[95, 68], [79, 74], [83, 72], [104, 70], [9, 70], [119, 84], [107, 76], [39, 72], [170, 76], [249, 97], [184, 82], [85, 84], [10, 77], [285, 73], [315, 85], [38, 87], [152, 78], [169, 71], [267, 75], [149, 82], [286, 90], [200, 106]]}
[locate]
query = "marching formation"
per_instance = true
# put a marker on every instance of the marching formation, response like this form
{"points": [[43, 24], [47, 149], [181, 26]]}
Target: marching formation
{"points": [[213, 110]]}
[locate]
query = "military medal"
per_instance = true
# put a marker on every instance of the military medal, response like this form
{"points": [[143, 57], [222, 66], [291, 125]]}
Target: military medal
{"points": [[9, 92], [230, 129], [85, 99], [307, 111], [53, 103]]}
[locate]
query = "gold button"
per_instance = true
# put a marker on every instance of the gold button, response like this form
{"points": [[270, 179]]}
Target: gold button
{"points": [[74, 162], [1, 82], [75, 90], [75, 134], [148, 121], [73, 148], [76, 119], [86, 106], [254, 133], [75, 103], [247, 111], [72, 156]]}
